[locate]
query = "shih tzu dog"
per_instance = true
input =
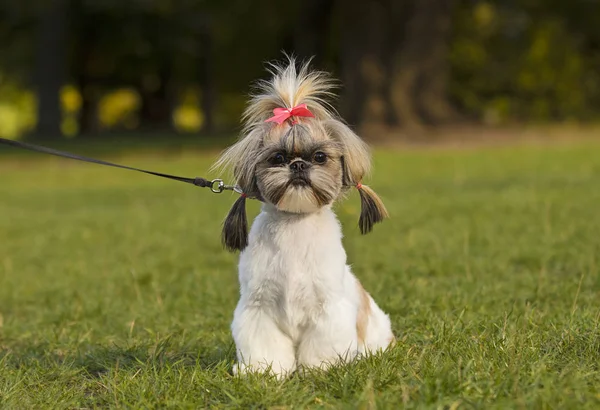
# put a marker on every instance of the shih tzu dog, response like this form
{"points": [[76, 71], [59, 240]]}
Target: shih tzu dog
{"points": [[300, 304]]}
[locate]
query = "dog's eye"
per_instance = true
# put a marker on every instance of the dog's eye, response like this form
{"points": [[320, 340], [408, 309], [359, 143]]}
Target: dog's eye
{"points": [[320, 157], [278, 159]]}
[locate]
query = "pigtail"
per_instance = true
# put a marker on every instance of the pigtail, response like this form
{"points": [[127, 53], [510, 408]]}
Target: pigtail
{"points": [[235, 228], [239, 158], [291, 94], [290, 87], [372, 209], [356, 164]]}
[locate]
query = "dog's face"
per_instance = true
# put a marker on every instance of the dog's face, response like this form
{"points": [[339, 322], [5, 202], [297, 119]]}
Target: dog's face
{"points": [[295, 153], [299, 168]]}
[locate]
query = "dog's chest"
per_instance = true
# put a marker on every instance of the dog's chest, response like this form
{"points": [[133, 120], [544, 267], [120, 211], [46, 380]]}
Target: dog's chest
{"points": [[293, 270], [292, 285]]}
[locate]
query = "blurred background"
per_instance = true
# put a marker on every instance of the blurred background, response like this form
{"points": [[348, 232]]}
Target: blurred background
{"points": [[86, 68]]}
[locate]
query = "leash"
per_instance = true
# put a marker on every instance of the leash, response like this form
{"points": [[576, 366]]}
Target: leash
{"points": [[216, 185]]}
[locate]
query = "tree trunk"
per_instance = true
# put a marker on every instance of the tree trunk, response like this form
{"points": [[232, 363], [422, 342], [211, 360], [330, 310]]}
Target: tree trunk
{"points": [[85, 46], [312, 30], [365, 34], [419, 68], [50, 67], [156, 110], [207, 78], [434, 98], [350, 54]]}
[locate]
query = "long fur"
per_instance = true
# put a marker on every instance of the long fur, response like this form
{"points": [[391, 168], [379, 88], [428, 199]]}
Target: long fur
{"points": [[235, 227], [372, 209], [289, 86], [357, 156], [300, 304]]}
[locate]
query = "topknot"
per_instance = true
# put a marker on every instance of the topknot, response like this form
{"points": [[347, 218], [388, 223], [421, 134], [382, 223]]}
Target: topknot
{"points": [[290, 85]]}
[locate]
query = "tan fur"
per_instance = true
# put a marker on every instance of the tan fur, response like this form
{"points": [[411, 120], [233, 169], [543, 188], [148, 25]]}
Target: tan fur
{"points": [[364, 311], [357, 156], [372, 209], [241, 159], [349, 158], [289, 87]]}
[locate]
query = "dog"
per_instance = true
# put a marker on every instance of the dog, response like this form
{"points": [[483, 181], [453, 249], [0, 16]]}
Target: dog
{"points": [[300, 305]]}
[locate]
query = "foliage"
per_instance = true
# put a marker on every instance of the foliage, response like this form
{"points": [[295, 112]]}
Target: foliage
{"points": [[17, 114], [495, 61], [115, 292], [525, 61]]}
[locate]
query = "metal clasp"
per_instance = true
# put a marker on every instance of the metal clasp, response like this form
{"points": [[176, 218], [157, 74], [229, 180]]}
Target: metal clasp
{"points": [[217, 186], [220, 186]]}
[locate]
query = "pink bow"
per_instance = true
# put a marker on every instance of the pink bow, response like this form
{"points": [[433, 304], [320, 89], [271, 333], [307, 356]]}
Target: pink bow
{"points": [[282, 114]]}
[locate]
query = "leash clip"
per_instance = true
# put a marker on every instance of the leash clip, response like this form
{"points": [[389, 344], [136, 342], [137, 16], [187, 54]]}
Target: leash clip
{"points": [[217, 186]]}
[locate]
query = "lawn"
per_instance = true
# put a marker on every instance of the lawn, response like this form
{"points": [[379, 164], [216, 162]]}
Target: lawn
{"points": [[115, 290]]}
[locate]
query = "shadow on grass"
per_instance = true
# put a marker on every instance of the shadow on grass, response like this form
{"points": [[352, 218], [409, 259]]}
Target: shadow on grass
{"points": [[98, 360]]}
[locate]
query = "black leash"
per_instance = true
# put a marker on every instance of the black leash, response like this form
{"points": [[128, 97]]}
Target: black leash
{"points": [[216, 185]]}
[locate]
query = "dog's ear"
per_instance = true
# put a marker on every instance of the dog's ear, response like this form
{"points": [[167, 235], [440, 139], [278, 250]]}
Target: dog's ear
{"points": [[241, 159], [356, 157], [356, 164]]}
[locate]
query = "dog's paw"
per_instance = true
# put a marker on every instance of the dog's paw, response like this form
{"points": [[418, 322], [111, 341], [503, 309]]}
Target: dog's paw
{"points": [[242, 369]]}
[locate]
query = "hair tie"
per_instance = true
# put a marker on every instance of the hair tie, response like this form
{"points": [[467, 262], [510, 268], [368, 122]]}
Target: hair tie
{"points": [[359, 186], [282, 114]]}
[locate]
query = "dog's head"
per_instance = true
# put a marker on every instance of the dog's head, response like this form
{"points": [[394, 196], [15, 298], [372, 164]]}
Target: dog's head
{"points": [[295, 153]]}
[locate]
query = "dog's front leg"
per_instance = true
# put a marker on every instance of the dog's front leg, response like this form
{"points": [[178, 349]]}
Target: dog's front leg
{"points": [[331, 338], [261, 346]]}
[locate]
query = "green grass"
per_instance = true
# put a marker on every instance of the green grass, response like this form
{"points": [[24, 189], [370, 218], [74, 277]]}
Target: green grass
{"points": [[115, 291]]}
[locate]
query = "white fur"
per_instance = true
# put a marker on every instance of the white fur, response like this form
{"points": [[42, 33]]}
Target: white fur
{"points": [[299, 300]]}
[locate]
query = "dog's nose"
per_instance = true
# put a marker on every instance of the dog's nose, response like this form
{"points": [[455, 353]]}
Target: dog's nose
{"points": [[299, 166]]}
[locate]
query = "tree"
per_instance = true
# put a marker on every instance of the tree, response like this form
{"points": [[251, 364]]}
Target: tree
{"points": [[312, 29], [419, 66], [394, 61], [50, 66], [365, 28], [84, 28]]}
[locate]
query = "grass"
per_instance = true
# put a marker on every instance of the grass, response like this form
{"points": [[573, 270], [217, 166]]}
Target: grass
{"points": [[115, 291]]}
